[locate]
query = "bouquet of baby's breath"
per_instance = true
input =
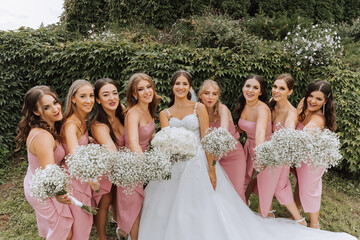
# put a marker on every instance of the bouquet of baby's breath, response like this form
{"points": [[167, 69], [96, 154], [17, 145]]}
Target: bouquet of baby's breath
{"points": [[181, 143], [265, 156], [126, 169], [324, 148], [54, 181], [218, 142], [290, 146], [90, 161], [157, 165]]}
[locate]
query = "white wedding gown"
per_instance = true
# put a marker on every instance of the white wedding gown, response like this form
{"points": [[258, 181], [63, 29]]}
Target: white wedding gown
{"points": [[186, 207]]}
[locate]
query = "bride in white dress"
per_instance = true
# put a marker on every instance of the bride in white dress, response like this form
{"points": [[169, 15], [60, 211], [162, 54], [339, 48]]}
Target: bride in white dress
{"points": [[198, 202]]}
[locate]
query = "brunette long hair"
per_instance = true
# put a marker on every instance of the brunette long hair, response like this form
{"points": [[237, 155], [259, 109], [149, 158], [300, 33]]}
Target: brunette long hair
{"points": [[101, 116], [175, 76], [289, 80], [241, 102], [132, 88], [205, 85], [30, 120], [329, 111]]}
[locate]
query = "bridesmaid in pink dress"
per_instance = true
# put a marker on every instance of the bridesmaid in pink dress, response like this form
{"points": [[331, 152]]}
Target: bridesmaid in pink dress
{"points": [[285, 115], [316, 109], [38, 129], [107, 129], [254, 118], [142, 102], [79, 103], [234, 163]]}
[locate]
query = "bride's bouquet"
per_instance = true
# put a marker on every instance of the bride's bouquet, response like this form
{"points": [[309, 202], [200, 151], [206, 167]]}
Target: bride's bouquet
{"points": [[54, 181], [324, 148], [157, 165], [90, 161], [218, 142], [126, 169], [181, 143]]}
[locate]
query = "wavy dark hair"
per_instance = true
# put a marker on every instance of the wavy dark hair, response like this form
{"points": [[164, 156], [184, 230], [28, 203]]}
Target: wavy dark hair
{"points": [[289, 80], [175, 76], [132, 88], [330, 114], [241, 102], [30, 120], [101, 116]]}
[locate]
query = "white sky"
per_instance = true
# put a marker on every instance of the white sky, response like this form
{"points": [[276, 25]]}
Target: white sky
{"points": [[29, 13]]}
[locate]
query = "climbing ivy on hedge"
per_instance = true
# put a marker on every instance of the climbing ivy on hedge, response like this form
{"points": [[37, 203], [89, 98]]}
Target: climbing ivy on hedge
{"points": [[83, 15], [32, 57]]}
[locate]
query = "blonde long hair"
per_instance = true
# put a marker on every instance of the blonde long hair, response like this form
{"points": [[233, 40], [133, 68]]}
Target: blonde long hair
{"points": [[204, 86], [70, 107]]}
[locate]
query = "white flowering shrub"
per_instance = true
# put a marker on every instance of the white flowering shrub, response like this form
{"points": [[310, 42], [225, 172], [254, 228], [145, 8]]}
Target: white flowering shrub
{"points": [[316, 45]]}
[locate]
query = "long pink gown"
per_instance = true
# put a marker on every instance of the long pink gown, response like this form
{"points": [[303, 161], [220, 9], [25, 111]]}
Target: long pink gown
{"points": [[310, 185], [82, 192], [105, 184], [234, 163], [266, 179], [54, 219], [129, 205]]}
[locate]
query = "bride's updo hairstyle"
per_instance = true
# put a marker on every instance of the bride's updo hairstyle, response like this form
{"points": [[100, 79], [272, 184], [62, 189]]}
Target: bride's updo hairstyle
{"points": [[172, 82], [29, 119], [241, 102], [204, 86], [328, 107]]}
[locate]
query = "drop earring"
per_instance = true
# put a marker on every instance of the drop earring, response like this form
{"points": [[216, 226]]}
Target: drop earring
{"points": [[323, 108], [136, 98]]}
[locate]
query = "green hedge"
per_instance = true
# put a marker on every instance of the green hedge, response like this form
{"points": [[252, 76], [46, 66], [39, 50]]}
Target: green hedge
{"points": [[81, 15], [29, 58]]}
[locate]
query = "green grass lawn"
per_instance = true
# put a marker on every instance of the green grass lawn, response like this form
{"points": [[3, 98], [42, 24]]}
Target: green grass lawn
{"points": [[340, 209]]}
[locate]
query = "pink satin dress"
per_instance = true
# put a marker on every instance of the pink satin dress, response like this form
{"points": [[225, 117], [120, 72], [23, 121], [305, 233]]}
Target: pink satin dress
{"points": [[82, 192], [105, 184], [266, 183], [234, 163], [310, 185], [283, 191], [54, 220], [129, 205]]}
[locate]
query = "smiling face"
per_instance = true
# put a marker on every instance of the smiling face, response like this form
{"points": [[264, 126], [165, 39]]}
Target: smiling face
{"points": [[181, 87], [49, 109], [84, 98], [108, 97], [315, 101], [210, 96], [144, 92], [251, 90], [280, 90]]}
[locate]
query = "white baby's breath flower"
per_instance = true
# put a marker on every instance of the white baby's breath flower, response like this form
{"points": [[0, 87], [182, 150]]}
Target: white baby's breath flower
{"points": [[157, 165], [218, 142], [88, 162]]}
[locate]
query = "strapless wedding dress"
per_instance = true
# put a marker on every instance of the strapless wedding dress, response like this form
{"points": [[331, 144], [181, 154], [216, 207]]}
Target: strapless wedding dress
{"points": [[186, 207]]}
